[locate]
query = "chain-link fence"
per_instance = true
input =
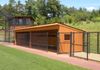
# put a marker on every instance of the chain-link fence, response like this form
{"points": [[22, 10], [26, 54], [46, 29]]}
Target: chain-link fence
{"points": [[91, 46], [2, 35]]}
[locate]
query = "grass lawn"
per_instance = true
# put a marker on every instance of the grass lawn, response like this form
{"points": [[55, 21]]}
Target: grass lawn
{"points": [[12, 59], [88, 27]]}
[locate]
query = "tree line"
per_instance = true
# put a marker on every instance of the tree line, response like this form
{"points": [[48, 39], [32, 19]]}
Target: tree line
{"points": [[49, 11]]}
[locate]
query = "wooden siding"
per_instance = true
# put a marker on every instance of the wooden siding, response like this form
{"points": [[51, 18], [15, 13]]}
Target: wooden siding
{"points": [[65, 44]]}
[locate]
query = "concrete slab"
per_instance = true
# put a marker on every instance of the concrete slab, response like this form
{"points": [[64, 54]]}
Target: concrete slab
{"points": [[91, 56]]}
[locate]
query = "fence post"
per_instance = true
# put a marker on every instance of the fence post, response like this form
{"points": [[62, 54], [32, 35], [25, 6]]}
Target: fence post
{"points": [[70, 43], [98, 43]]}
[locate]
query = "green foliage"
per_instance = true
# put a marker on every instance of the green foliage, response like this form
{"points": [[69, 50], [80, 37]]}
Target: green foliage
{"points": [[11, 6], [19, 9], [96, 19], [31, 8], [68, 19], [40, 19], [54, 7], [54, 20], [49, 11]]}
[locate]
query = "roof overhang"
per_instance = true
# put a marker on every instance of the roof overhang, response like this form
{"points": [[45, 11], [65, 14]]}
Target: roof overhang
{"points": [[54, 26]]}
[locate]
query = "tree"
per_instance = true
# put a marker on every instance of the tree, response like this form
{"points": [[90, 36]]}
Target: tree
{"points": [[41, 7], [98, 12], [12, 2], [40, 19], [11, 6], [54, 7], [31, 8], [20, 8], [48, 11]]}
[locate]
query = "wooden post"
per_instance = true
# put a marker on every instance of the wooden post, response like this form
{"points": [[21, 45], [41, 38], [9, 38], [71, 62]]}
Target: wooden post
{"points": [[30, 40]]}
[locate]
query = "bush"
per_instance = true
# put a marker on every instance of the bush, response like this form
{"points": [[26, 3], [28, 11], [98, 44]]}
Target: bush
{"points": [[54, 20], [96, 19], [69, 19]]}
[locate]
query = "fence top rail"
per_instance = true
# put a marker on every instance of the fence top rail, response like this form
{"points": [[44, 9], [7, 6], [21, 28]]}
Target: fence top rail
{"points": [[92, 32], [76, 32]]}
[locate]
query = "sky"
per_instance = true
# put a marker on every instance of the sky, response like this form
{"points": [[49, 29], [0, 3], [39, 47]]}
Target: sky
{"points": [[88, 4]]}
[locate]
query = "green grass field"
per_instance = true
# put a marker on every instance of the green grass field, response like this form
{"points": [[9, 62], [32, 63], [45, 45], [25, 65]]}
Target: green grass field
{"points": [[12, 59]]}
